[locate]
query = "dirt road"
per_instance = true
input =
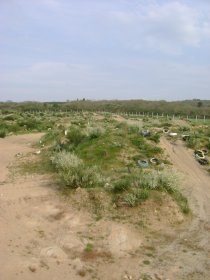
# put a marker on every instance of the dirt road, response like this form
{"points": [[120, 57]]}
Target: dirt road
{"points": [[43, 237], [191, 250]]}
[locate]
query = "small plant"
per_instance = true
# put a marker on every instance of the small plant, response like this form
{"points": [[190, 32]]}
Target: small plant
{"points": [[182, 202], [133, 129], [88, 247], [94, 132], [192, 142], [146, 262], [142, 195], [155, 137], [130, 199], [121, 185], [9, 118]]}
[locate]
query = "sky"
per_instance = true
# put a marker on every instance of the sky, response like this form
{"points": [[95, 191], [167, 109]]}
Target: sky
{"points": [[58, 50]]}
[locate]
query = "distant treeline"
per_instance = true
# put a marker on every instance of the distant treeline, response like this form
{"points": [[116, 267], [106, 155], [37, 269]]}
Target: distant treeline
{"points": [[185, 108]]}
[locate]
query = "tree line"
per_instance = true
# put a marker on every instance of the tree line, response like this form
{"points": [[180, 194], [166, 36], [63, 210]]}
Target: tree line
{"points": [[186, 108]]}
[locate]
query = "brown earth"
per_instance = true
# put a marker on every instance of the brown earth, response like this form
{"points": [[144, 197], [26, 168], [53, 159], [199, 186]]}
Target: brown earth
{"points": [[43, 235]]}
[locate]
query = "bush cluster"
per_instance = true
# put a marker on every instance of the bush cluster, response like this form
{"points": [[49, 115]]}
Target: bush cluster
{"points": [[74, 173]]}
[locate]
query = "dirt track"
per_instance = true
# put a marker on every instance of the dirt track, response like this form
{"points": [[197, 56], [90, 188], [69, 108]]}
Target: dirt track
{"points": [[191, 249], [42, 237]]}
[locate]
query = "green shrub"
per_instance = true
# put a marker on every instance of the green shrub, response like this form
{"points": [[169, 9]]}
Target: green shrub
{"points": [[14, 127], [135, 197], [169, 180], [74, 173], [155, 137], [75, 136], [130, 199], [88, 247], [142, 195], [121, 125], [121, 185], [182, 202], [184, 128], [2, 133], [53, 136], [133, 129], [192, 142], [9, 118], [94, 132], [158, 180]]}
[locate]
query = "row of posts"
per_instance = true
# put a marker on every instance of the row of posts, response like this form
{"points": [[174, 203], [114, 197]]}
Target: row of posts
{"points": [[143, 114]]}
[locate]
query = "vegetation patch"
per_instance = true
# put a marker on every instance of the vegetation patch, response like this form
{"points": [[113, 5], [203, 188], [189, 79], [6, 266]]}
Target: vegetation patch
{"points": [[86, 152], [74, 173]]}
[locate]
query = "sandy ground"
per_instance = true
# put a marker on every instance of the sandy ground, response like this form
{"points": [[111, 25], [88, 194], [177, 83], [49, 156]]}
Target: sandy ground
{"points": [[42, 236]]}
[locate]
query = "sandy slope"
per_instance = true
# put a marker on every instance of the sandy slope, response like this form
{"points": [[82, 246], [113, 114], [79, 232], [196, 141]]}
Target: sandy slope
{"points": [[43, 237]]}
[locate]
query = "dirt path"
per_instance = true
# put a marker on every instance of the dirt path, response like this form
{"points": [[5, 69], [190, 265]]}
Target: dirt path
{"points": [[43, 237], [191, 250]]}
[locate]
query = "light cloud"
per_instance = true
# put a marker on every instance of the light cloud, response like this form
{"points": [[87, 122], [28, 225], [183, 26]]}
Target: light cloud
{"points": [[67, 49], [168, 27]]}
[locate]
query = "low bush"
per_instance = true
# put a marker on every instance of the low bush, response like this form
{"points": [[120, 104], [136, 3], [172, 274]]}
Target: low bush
{"points": [[2, 133], [130, 199], [94, 132], [155, 137], [75, 136], [142, 194], [121, 185], [192, 142], [74, 173], [136, 197], [158, 180], [9, 118]]}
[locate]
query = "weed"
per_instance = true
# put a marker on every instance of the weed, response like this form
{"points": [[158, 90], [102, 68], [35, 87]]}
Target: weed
{"points": [[142, 195], [122, 185], [130, 199], [2, 133], [182, 202], [146, 277], [141, 224], [155, 137], [146, 262], [192, 142], [88, 247], [75, 136], [94, 132]]}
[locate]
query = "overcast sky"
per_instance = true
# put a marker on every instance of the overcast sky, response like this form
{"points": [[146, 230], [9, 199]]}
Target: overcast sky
{"points": [[104, 49]]}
